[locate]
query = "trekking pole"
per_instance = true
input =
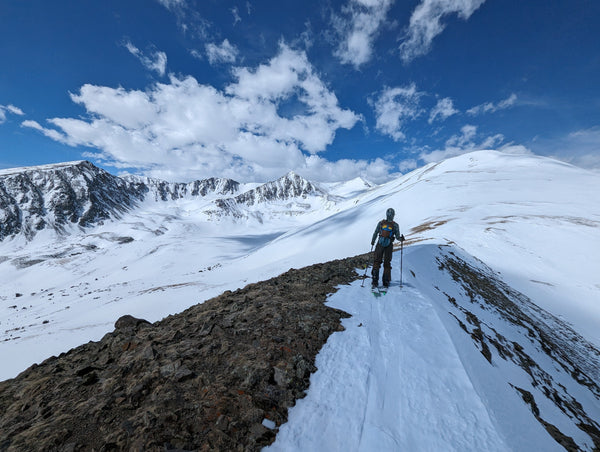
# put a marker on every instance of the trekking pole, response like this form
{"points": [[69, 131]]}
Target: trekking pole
{"points": [[366, 268], [401, 252]]}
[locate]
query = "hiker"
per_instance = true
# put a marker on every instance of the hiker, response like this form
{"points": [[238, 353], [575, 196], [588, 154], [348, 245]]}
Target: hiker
{"points": [[387, 230]]}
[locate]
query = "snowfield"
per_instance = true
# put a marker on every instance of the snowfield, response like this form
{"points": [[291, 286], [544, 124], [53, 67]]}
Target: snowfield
{"points": [[411, 371], [405, 376]]}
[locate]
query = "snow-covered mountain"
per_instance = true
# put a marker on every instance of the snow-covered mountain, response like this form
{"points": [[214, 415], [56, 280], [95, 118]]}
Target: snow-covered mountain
{"points": [[289, 195], [57, 196], [161, 190], [60, 196], [529, 225]]}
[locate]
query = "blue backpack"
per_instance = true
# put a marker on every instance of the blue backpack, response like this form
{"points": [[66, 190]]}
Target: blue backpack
{"points": [[386, 235]]}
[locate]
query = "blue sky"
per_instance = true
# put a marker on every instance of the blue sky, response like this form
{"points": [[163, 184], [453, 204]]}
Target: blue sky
{"points": [[186, 89]]}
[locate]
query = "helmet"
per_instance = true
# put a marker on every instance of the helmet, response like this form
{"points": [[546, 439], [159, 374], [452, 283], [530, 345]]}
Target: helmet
{"points": [[389, 214]]}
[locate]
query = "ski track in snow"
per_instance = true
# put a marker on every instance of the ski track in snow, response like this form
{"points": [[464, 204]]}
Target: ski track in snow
{"points": [[381, 367]]}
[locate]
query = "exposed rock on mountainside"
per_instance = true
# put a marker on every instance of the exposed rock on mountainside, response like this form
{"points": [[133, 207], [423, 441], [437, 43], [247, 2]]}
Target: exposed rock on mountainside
{"points": [[79, 193], [538, 343], [205, 379], [55, 196], [165, 191], [287, 188]]}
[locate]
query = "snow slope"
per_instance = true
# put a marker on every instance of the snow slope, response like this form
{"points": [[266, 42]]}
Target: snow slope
{"points": [[533, 221], [405, 375]]}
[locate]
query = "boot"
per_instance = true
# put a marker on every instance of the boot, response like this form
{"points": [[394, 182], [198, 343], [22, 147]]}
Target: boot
{"points": [[375, 274]]}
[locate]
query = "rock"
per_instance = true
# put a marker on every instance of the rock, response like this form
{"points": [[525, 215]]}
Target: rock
{"points": [[204, 379], [128, 321]]}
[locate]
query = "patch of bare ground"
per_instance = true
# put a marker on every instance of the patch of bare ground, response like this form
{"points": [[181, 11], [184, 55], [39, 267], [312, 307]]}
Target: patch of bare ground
{"points": [[428, 226]]}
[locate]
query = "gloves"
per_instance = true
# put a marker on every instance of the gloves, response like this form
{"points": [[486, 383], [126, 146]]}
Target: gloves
{"points": [[402, 239], [372, 242]]}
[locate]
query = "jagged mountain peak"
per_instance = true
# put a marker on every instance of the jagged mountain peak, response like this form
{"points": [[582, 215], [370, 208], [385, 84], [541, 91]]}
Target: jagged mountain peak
{"points": [[58, 195], [164, 191], [287, 188], [78, 193]]}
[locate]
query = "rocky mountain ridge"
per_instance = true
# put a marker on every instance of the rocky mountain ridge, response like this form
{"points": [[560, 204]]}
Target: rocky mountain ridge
{"points": [[219, 376], [162, 190], [80, 194], [222, 375], [56, 196], [285, 189]]}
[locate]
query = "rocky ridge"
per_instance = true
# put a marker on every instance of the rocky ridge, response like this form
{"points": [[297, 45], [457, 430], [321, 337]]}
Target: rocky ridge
{"points": [[287, 189], [205, 379], [56, 196], [162, 190], [80, 194]]}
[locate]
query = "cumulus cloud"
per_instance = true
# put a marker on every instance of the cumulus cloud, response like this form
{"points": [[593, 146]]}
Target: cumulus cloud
{"points": [[4, 109], [426, 23], [190, 130], [318, 168], [490, 107], [394, 107], [221, 53], [156, 61], [50, 133], [358, 27], [467, 141], [443, 110]]}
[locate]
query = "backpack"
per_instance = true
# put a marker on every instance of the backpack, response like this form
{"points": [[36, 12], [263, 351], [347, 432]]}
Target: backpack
{"points": [[386, 234]]}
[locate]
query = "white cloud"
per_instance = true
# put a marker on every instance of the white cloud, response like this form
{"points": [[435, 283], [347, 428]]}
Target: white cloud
{"points": [[223, 53], [9, 109], [394, 107], [358, 29], [50, 133], [467, 141], [188, 130], [426, 23], [443, 110], [490, 107], [317, 168], [172, 4], [156, 61], [407, 165], [236, 15]]}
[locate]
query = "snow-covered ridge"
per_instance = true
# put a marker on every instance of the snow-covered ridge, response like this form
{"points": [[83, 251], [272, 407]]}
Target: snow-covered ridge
{"points": [[48, 167], [533, 220], [290, 194], [78, 194], [61, 195], [164, 191], [289, 186]]}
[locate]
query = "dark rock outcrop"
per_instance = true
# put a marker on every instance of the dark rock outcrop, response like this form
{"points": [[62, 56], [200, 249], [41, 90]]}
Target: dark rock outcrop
{"points": [[79, 193], [204, 379], [58, 195], [287, 187], [162, 190]]}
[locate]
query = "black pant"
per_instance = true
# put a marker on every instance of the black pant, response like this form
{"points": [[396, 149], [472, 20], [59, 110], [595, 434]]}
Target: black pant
{"points": [[383, 254]]}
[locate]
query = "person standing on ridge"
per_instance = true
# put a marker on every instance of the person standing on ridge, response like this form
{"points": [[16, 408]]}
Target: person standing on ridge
{"points": [[387, 230]]}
